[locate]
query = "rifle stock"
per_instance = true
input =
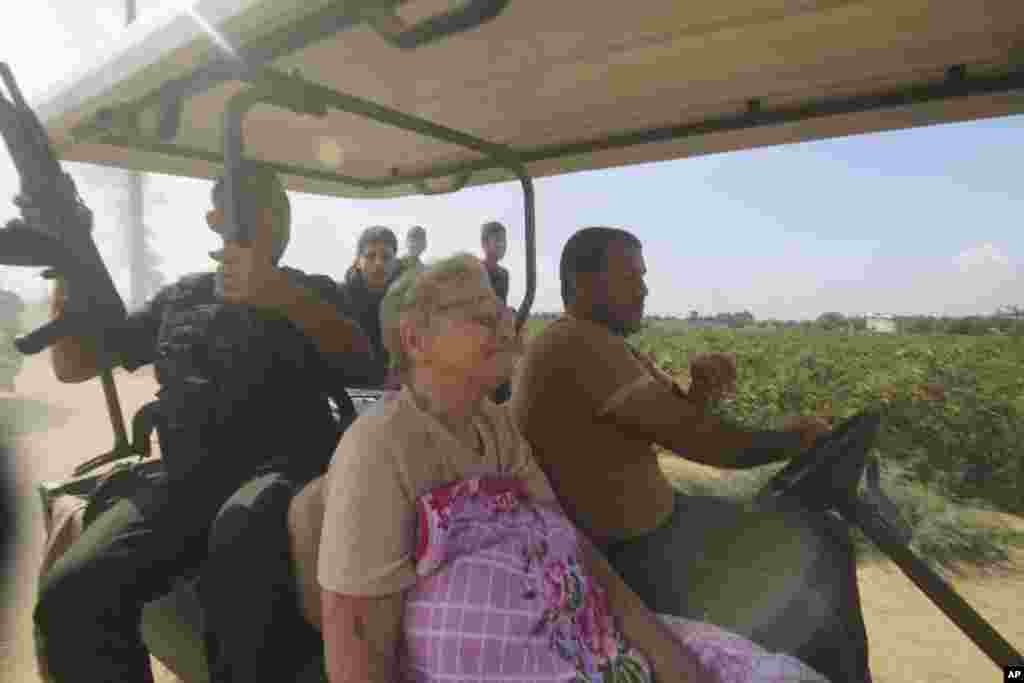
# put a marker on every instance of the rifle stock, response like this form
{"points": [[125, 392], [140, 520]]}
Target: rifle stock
{"points": [[54, 231]]}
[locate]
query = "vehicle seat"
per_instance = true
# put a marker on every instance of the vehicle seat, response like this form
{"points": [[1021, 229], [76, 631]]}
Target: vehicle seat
{"points": [[305, 520]]}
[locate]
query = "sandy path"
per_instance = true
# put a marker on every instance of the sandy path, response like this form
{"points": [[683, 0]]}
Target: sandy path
{"points": [[69, 425], [911, 641]]}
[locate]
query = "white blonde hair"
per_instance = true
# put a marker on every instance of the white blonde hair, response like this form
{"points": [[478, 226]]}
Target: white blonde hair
{"points": [[418, 295]]}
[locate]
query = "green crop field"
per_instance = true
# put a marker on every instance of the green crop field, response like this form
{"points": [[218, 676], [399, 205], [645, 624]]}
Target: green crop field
{"points": [[953, 405]]}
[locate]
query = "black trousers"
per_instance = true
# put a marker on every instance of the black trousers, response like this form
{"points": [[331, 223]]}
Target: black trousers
{"points": [[90, 602], [253, 628]]}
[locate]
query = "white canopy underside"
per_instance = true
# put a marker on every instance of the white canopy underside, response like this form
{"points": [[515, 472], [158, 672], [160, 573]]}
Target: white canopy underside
{"points": [[552, 73]]}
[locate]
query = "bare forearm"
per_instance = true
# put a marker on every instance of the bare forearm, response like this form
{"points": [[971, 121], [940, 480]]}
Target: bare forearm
{"points": [[361, 637], [349, 662], [73, 359], [321, 322], [712, 441]]}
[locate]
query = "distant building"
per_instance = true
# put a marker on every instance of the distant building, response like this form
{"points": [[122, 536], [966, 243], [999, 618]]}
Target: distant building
{"points": [[880, 323], [706, 323]]}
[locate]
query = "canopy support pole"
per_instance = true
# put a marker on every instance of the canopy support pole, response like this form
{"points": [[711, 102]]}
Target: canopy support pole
{"points": [[302, 97]]}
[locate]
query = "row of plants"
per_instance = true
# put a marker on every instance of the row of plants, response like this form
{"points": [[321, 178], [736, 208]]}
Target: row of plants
{"points": [[953, 406]]}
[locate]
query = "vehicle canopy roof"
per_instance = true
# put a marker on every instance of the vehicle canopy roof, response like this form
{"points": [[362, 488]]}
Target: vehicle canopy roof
{"points": [[539, 88]]}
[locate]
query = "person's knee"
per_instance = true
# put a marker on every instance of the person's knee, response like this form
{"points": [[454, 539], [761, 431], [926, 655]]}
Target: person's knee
{"points": [[78, 594], [256, 510], [248, 544]]}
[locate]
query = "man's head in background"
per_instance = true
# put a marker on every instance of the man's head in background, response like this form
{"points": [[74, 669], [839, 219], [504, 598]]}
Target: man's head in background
{"points": [[375, 256], [416, 241], [494, 241]]}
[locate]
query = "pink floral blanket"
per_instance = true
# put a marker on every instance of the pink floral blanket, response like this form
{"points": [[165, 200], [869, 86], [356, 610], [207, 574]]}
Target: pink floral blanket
{"points": [[504, 597]]}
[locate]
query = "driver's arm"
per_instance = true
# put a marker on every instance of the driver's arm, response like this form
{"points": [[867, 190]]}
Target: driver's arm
{"points": [[660, 412]]}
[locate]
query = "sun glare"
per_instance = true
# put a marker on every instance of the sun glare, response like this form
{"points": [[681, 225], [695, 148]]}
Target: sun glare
{"points": [[211, 30], [189, 7]]}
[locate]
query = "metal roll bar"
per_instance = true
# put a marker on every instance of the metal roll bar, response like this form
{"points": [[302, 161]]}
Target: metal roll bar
{"points": [[295, 94]]}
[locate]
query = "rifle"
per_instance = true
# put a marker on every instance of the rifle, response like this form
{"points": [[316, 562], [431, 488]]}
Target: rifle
{"points": [[55, 232]]}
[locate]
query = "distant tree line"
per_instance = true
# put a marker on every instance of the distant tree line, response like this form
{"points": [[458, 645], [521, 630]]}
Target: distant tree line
{"points": [[1006, 320]]}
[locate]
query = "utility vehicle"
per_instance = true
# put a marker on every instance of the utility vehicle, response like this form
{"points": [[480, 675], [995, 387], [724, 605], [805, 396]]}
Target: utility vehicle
{"points": [[382, 98]]}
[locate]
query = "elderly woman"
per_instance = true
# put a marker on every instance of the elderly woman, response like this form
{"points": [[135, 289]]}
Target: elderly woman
{"points": [[365, 283], [444, 554]]}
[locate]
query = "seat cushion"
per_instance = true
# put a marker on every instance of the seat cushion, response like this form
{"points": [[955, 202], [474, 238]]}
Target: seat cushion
{"points": [[305, 520]]}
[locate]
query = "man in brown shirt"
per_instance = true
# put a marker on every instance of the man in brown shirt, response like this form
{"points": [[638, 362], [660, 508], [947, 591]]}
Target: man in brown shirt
{"points": [[593, 408]]}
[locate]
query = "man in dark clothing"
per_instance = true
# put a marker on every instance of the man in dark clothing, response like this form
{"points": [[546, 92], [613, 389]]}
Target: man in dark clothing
{"points": [[493, 239], [248, 360], [366, 282]]}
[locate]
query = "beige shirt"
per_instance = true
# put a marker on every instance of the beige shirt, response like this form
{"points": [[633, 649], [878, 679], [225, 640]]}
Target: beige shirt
{"points": [[391, 455], [608, 480]]}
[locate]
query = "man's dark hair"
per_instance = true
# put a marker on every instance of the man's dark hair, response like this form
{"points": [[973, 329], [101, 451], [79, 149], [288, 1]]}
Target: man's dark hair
{"points": [[376, 234], [490, 229], [587, 252], [260, 187]]}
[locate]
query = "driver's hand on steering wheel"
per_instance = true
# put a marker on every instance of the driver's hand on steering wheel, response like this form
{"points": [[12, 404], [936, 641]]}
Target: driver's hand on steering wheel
{"points": [[712, 376], [809, 427]]}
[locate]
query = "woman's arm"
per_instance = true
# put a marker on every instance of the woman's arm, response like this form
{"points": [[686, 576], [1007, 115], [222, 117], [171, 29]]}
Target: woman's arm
{"points": [[671, 661], [362, 636]]}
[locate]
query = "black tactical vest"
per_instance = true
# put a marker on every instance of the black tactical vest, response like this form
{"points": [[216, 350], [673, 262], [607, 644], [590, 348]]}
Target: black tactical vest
{"points": [[241, 392]]}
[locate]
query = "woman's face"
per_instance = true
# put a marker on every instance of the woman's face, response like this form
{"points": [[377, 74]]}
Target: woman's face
{"points": [[377, 263], [474, 337]]}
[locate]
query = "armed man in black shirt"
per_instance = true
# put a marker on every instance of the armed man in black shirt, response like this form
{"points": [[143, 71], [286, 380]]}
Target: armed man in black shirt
{"points": [[493, 241], [248, 359]]}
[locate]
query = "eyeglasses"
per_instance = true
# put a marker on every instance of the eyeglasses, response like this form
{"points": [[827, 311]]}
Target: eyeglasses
{"points": [[490, 322], [462, 310], [463, 304]]}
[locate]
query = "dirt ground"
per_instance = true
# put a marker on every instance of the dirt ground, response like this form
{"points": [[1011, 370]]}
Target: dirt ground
{"points": [[65, 424], [911, 641]]}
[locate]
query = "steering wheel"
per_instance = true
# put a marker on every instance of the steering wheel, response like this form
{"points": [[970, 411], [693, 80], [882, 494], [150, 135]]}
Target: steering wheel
{"points": [[826, 475]]}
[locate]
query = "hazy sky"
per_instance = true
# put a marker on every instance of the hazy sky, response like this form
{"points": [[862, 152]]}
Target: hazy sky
{"points": [[914, 221]]}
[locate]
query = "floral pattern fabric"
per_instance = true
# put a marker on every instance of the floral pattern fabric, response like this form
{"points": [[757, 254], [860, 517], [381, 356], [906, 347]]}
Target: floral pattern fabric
{"points": [[504, 596]]}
